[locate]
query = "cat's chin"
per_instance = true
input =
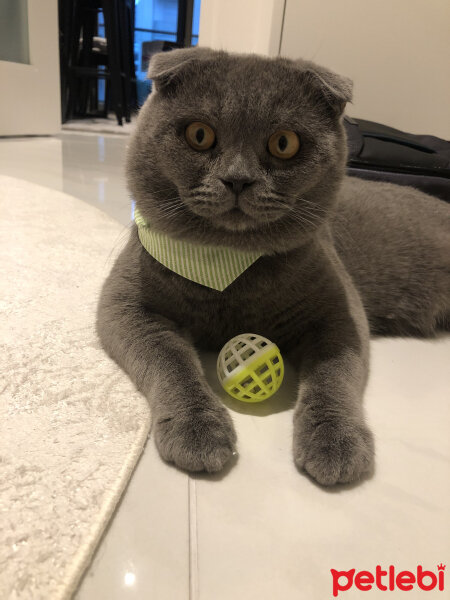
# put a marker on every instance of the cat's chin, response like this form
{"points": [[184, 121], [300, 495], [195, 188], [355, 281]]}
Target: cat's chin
{"points": [[235, 220]]}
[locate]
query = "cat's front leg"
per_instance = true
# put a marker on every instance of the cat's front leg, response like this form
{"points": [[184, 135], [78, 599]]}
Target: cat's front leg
{"points": [[191, 427], [331, 440]]}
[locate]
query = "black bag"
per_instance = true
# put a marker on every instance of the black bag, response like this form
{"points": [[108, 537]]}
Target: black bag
{"points": [[382, 153]]}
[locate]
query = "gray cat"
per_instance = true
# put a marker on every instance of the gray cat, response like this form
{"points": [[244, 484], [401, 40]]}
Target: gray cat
{"points": [[249, 153]]}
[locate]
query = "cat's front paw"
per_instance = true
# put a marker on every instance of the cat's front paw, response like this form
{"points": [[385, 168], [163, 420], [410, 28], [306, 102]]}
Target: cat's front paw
{"points": [[196, 439], [334, 451]]}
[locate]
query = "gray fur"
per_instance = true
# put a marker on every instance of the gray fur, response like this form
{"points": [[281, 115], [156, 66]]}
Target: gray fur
{"points": [[341, 256]]}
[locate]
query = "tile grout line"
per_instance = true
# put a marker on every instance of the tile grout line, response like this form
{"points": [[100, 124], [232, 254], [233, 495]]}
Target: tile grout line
{"points": [[193, 540]]}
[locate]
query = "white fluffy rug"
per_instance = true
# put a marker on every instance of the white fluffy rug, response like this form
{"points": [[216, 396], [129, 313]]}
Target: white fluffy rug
{"points": [[72, 426]]}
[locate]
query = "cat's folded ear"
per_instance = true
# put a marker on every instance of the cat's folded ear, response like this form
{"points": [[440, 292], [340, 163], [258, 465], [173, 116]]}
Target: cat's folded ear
{"points": [[334, 89], [169, 68]]}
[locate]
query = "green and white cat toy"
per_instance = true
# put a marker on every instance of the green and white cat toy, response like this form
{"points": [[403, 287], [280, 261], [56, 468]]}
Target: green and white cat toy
{"points": [[250, 368]]}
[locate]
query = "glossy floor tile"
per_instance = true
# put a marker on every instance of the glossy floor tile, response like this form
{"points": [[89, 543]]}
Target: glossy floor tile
{"points": [[89, 167], [266, 531], [261, 529], [145, 551]]}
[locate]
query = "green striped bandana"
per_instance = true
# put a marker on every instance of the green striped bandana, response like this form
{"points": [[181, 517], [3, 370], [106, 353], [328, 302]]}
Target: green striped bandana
{"points": [[214, 267]]}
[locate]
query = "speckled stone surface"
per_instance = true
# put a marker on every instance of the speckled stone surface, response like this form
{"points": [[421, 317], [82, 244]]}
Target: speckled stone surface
{"points": [[72, 426]]}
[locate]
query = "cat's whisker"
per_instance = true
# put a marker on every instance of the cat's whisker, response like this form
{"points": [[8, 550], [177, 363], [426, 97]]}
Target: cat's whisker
{"points": [[308, 214], [314, 208], [174, 203], [172, 209], [302, 220], [303, 216], [278, 194], [158, 191], [170, 202], [172, 212], [307, 218]]}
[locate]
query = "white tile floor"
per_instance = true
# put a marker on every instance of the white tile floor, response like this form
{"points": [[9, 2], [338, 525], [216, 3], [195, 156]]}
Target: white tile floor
{"points": [[90, 167], [262, 530]]}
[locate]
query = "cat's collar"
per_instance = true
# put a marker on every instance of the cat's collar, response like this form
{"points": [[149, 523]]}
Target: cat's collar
{"points": [[215, 267]]}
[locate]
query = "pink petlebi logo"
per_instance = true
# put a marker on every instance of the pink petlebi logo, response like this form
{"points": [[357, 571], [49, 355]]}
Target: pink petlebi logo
{"points": [[389, 579]]}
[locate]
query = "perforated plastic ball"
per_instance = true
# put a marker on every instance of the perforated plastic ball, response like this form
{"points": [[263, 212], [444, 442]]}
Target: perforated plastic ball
{"points": [[250, 368]]}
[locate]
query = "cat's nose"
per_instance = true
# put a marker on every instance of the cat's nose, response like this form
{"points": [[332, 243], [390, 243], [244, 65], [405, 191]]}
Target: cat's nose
{"points": [[237, 184]]}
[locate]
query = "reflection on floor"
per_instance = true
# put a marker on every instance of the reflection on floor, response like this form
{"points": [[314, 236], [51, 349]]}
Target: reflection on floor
{"points": [[100, 126], [90, 167]]}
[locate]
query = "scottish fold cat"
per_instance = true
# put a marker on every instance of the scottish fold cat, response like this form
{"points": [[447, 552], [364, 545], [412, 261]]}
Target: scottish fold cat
{"points": [[248, 153]]}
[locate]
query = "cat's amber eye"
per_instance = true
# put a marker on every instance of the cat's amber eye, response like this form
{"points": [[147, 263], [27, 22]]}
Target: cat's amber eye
{"points": [[284, 144], [200, 136]]}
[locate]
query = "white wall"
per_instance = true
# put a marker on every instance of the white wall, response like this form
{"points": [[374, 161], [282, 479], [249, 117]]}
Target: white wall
{"points": [[242, 25], [30, 100], [396, 51]]}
